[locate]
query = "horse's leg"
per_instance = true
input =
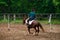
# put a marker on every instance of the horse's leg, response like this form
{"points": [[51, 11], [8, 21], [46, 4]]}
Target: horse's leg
{"points": [[35, 30], [38, 29], [29, 30]]}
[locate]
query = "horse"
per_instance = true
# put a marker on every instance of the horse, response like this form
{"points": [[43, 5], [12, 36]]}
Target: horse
{"points": [[35, 24]]}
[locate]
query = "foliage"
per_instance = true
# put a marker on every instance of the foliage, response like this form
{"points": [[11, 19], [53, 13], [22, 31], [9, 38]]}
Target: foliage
{"points": [[25, 6]]}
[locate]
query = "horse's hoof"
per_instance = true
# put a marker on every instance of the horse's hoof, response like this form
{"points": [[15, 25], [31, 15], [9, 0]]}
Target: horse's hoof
{"points": [[35, 34], [8, 29]]}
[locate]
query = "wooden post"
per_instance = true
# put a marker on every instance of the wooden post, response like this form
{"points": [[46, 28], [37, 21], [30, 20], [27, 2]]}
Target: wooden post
{"points": [[4, 17], [50, 22], [14, 17], [8, 23]]}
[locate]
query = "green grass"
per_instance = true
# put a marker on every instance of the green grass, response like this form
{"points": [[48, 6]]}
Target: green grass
{"points": [[11, 21], [17, 21], [54, 21], [3, 21], [43, 21]]}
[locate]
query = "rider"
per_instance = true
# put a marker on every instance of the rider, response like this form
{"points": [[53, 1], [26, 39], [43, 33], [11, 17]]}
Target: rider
{"points": [[31, 15]]}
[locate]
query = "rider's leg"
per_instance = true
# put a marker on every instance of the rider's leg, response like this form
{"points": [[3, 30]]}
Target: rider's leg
{"points": [[28, 21]]}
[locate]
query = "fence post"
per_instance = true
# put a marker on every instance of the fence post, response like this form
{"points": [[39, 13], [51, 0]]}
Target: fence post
{"points": [[8, 22], [50, 22], [14, 17], [4, 16]]}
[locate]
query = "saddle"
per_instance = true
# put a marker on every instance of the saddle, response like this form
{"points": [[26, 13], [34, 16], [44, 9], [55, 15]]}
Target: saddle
{"points": [[29, 22]]}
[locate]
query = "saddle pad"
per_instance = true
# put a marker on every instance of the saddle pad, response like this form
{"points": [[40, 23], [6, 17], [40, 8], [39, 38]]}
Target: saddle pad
{"points": [[26, 20], [30, 22]]}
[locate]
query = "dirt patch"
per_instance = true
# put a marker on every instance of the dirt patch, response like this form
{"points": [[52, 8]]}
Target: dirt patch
{"points": [[19, 32]]}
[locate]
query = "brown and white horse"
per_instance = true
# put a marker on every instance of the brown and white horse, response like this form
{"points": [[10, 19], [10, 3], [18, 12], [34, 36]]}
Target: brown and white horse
{"points": [[35, 24]]}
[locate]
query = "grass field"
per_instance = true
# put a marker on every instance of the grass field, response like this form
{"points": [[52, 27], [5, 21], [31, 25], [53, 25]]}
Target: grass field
{"points": [[54, 21]]}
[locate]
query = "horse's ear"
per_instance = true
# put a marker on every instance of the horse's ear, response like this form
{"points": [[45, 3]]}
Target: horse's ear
{"points": [[25, 15]]}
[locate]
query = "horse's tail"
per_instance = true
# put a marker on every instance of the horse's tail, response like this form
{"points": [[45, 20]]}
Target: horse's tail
{"points": [[41, 27]]}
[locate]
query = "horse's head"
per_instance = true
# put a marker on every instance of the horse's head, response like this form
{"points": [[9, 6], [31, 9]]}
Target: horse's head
{"points": [[24, 18]]}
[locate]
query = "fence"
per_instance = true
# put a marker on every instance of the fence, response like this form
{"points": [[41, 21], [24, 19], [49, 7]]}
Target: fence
{"points": [[19, 16], [11, 16]]}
